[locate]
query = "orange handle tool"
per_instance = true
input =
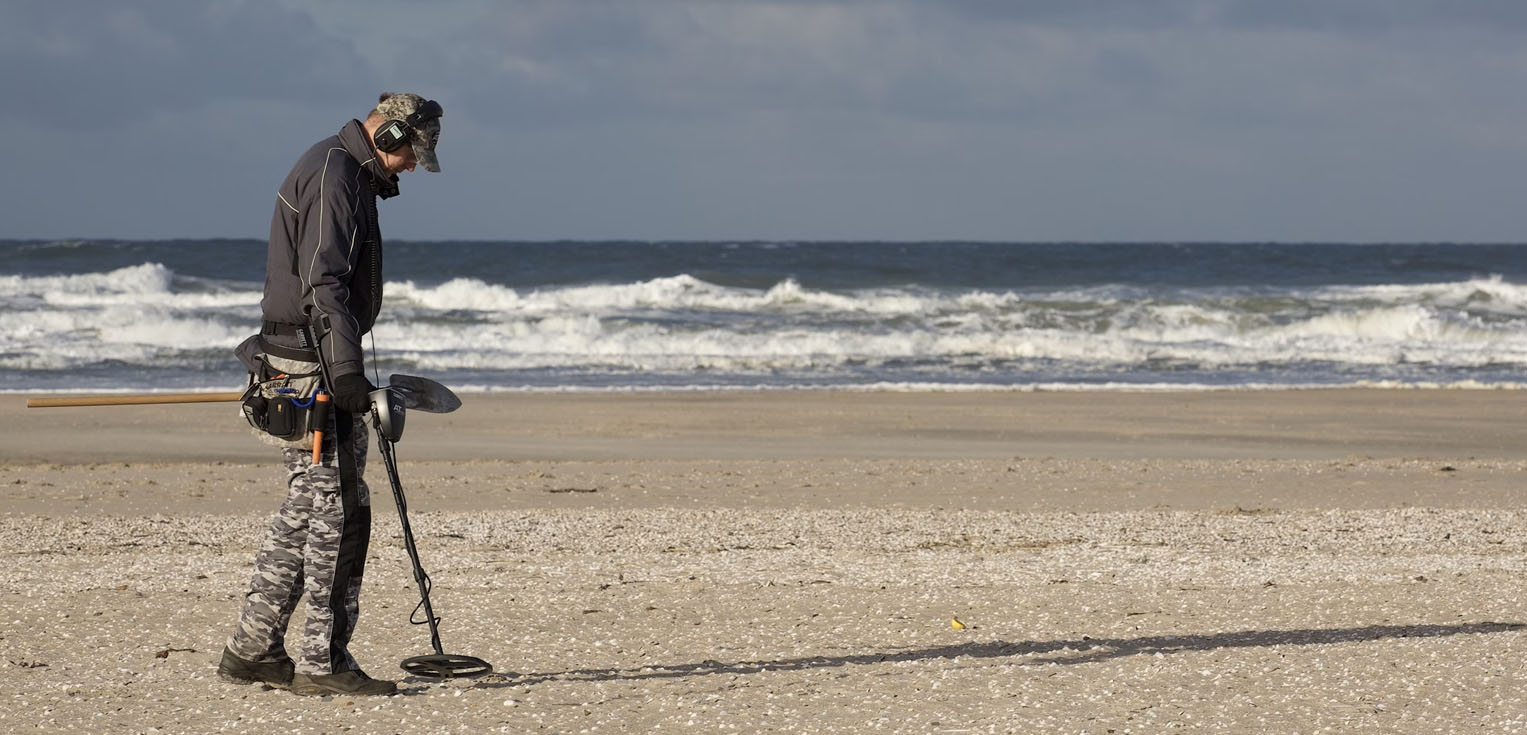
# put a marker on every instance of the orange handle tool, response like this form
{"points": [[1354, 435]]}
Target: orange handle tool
{"points": [[320, 420]]}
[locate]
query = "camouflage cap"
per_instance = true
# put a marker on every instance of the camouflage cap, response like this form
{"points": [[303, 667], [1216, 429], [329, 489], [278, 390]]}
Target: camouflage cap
{"points": [[424, 131]]}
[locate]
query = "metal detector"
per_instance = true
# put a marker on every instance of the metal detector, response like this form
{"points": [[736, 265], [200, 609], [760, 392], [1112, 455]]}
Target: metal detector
{"points": [[389, 406]]}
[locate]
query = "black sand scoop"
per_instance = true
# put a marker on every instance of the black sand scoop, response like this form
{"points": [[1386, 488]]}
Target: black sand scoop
{"points": [[388, 408]]}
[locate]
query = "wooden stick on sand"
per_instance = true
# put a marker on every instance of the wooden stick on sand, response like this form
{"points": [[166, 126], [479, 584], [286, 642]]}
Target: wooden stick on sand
{"points": [[132, 399]]}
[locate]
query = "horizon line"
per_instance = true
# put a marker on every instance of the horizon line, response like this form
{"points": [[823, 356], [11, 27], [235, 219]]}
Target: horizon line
{"points": [[776, 241]]}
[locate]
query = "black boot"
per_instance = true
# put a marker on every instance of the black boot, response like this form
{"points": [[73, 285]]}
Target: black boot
{"points": [[354, 681], [276, 673]]}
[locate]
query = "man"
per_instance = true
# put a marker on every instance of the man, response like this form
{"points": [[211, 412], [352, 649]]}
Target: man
{"points": [[324, 270]]}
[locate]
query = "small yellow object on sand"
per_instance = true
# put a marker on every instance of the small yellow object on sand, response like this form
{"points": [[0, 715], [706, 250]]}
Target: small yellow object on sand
{"points": [[956, 624]]}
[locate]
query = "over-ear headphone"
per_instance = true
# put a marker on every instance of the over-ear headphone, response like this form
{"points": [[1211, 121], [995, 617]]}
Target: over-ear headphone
{"points": [[395, 133]]}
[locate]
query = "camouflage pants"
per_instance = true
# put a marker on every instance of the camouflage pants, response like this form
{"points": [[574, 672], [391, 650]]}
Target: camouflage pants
{"points": [[316, 544]]}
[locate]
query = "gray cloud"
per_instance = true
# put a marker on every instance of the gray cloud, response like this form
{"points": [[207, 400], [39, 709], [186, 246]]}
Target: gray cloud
{"points": [[1339, 15], [95, 64], [1183, 119], [1374, 15]]}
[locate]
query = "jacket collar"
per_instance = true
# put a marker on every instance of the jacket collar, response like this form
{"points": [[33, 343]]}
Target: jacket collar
{"points": [[356, 143]]}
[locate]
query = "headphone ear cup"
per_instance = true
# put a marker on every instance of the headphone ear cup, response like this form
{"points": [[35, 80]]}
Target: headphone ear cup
{"points": [[390, 137]]}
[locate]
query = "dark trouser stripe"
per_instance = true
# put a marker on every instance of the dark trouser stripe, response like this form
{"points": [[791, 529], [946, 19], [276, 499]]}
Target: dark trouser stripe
{"points": [[354, 540]]}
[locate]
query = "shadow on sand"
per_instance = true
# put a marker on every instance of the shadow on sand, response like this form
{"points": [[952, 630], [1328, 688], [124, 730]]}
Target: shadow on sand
{"points": [[1069, 652]]}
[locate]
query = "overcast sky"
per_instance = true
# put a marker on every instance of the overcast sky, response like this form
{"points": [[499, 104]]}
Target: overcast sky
{"points": [[1294, 120]]}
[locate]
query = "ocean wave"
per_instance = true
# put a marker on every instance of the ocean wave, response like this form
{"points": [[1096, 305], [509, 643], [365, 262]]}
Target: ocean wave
{"points": [[147, 278], [147, 315], [681, 292], [1491, 294], [145, 284]]}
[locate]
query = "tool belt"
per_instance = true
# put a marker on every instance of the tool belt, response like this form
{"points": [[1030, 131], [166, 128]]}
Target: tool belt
{"points": [[278, 402], [305, 349]]}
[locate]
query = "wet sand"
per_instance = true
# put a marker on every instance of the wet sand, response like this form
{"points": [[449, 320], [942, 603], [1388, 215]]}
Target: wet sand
{"points": [[1136, 562]]}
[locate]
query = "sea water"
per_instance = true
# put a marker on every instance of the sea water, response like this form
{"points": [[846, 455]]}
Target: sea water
{"points": [[600, 316]]}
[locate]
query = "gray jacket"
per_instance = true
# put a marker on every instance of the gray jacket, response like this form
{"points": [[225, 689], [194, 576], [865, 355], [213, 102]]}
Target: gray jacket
{"points": [[325, 255]]}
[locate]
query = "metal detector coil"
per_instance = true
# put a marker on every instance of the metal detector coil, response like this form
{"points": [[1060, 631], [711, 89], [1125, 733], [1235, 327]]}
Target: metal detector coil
{"points": [[446, 666]]}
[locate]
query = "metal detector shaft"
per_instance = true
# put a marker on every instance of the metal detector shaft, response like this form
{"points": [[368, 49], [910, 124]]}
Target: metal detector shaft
{"points": [[440, 665], [390, 461]]}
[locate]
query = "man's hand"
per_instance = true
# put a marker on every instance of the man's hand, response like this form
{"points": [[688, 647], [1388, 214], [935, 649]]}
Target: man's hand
{"points": [[352, 393]]}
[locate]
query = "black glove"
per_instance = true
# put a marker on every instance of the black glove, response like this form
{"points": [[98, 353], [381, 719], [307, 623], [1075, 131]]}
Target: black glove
{"points": [[352, 393]]}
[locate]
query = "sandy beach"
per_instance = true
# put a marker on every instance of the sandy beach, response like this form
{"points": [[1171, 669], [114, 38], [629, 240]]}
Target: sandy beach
{"points": [[1279, 561]]}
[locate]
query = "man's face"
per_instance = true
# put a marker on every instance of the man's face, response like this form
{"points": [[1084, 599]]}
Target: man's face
{"points": [[400, 160]]}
